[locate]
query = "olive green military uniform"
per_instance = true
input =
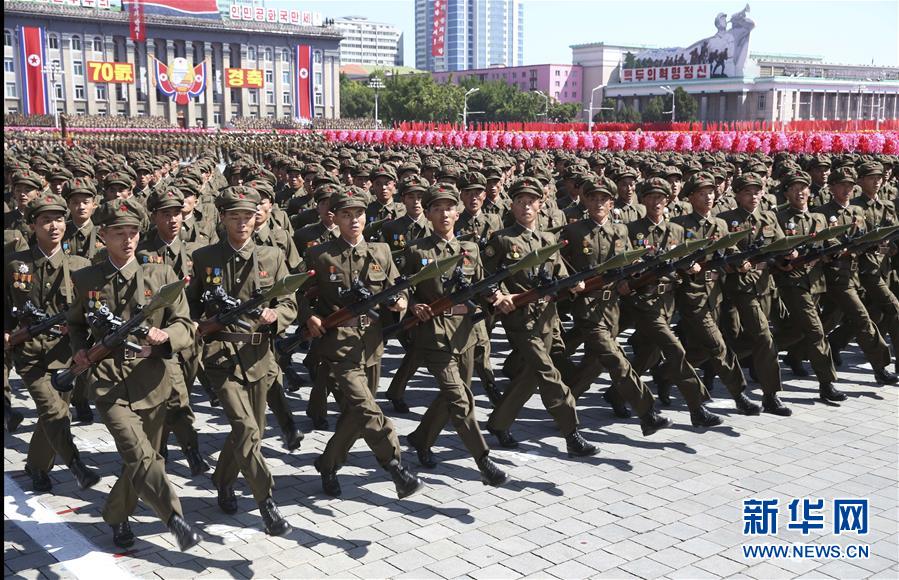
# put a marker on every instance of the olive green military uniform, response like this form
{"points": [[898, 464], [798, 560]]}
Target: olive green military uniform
{"points": [[45, 281], [529, 330], [241, 365], [130, 391]]}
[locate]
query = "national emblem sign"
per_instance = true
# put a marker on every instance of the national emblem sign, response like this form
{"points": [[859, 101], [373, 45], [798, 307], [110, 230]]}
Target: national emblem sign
{"points": [[179, 80]]}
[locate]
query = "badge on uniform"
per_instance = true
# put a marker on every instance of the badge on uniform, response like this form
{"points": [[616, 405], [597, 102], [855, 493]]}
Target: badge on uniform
{"points": [[208, 274], [466, 261], [148, 293], [616, 215], [425, 261], [15, 277], [734, 226], [311, 243], [832, 220], [690, 235], [333, 276], [587, 249], [65, 248], [23, 268], [515, 255], [145, 259], [375, 267], [216, 275], [640, 240]]}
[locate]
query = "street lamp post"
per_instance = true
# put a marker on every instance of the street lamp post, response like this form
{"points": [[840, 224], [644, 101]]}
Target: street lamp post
{"points": [[376, 83], [546, 105], [53, 69], [670, 91], [590, 115], [465, 107]]}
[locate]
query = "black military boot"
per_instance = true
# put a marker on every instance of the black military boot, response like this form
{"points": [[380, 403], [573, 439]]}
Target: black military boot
{"points": [[702, 417], [708, 376], [330, 485], [827, 392], [399, 405], [652, 421], [664, 389], [185, 535], [275, 524], [490, 473], [504, 437], [406, 482], [425, 456], [745, 406], [835, 355], [11, 418], [619, 409], [771, 404], [227, 500], [195, 461], [293, 437], [122, 536], [164, 451], [493, 393], [83, 412], [40, 481], [578, 446], [319, 423], [795, 364], [885, 377], [85, 477]]}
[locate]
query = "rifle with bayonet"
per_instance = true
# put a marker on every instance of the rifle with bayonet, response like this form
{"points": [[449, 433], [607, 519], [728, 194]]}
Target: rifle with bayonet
{"points": [[115, 332], [43, 324], [368, 301], [466, 293], [232, 310]]}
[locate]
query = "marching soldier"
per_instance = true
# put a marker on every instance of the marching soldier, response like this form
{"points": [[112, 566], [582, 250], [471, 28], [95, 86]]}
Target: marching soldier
{"points": [[131, 388]]}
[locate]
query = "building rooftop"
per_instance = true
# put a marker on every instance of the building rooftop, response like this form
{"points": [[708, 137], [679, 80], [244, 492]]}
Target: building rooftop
{"points": [[355, 71], [181, 22]]}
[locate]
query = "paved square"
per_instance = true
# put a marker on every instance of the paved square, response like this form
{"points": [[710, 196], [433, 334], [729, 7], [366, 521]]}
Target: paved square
{"points": [[670, 505]]}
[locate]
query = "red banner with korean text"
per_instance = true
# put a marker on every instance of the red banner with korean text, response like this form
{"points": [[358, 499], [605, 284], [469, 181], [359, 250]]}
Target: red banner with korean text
{"points": [[33, 55], [438, 32], [138, 26]]}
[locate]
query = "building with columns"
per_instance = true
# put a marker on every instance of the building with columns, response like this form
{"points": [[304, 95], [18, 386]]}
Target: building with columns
{"points": [[76, 36], [773, 88]]}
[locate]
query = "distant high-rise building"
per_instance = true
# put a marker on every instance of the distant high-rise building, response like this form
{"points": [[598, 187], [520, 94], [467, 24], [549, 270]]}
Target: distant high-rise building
{"points": [[367, 42], [476, 34]]}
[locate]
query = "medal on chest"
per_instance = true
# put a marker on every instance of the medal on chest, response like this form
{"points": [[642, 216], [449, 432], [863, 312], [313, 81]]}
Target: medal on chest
{"points": [[333, 273], [216, 275], [734, 226], [791, 228], [642, 241], [95, 300], [66, 248], [616, 215], [515, 255], [588, 249]]}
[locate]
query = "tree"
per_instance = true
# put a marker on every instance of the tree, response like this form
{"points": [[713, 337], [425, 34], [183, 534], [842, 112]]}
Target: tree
{"points": [[655, 111], [564, 112], [686, 105], [356, 99], [629, 115]]}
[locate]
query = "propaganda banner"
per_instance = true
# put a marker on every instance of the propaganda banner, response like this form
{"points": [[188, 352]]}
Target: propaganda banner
{"points": [[244, 78], [178, 80], [32, 56], [438, 32], [110, 72], [137, 22], [303, 83]]}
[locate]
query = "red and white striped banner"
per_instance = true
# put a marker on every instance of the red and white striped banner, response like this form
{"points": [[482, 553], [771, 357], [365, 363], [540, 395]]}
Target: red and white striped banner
{"points": [[33, 55]]}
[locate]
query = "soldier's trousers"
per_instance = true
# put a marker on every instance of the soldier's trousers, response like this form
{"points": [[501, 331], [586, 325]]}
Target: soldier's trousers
{"points": [[482, 353], [704, 344], [52, 435], [454, 402], [857, 323], [277, 402], [755, 338], [81, 392], [537, 373], [137, 435], [602, 351], [882, 306], [179, 417], [803, 308], [411, 362], [360, 415], [244, 404], [653, 335]]}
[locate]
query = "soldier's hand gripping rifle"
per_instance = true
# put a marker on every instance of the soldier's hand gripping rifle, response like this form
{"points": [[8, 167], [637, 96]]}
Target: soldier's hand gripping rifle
{"points": [[113, 332], [467, 293], [43, 323], [368, 301], [678, 257], [233, 311]]}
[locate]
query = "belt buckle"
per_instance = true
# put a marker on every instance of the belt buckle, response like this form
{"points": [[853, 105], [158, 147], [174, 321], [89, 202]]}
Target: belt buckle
{"points": [[256, 338], [661, 289], [364, 322], [129, 354], [708, 276], [606, 295]]}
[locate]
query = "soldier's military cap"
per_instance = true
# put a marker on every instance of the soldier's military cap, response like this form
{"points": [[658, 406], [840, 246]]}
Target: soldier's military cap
{"points": [[348, 198], [755, 166], [313, 168], [120, 212], [407, 167], [383, 170], [144, 167], [870, 168], [794, 177], [654, 185], [79, 185], [698, 180], [492, 172], [473, 180], [347, 165], [165, 198], [238, 197], [325, 191], [59, 173], [78, 167], [28, 177], [526, 185], [670, 171], [820, 160], [624, 172], [440, 191], [263, 187], [412, 184], [44, 203], [845, 174], [293, 166], [718, 172], [747, 180], [600, 186], [118, 177], [430, 162], [363, 170], [330, 163]]}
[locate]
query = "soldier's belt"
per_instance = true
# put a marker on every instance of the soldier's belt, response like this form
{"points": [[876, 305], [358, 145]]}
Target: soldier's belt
{"points": [[457, 310], [158, 351], [363, 321], [844, 265], [254, 338], [656, 290]]}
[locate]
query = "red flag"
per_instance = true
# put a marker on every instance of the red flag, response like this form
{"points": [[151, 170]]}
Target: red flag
{"points": [[136, 17], [303, 91], [438, 31], [33, 55]]}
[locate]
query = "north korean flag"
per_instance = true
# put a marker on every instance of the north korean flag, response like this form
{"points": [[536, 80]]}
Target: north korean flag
{"points": [[33, 55], [303, 92]]}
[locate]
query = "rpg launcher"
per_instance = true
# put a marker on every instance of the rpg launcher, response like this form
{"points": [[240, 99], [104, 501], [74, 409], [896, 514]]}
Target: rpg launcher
{"points": [[43, 324]]}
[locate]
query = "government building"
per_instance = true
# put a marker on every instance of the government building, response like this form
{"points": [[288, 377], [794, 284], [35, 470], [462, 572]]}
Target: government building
{"points": [[201, 63]]}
